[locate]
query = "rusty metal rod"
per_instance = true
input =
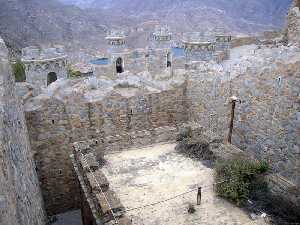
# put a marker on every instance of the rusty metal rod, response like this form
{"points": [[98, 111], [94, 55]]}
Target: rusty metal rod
{"points": [[233, 103]]}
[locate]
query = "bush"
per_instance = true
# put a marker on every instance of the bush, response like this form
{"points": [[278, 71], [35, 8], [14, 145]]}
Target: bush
{"points": [[263, 167], [73, 73], [19, 71], [238, 179]]}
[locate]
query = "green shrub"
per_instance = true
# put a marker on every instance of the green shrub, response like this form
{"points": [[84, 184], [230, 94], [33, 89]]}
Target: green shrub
{"points": [[73, 73], [19, 71], [263, 166], [238, 179]]}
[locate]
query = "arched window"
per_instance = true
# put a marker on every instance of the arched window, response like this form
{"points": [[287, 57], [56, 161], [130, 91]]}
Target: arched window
{"points": [[169, 59], [51, 77], [119, 65]]}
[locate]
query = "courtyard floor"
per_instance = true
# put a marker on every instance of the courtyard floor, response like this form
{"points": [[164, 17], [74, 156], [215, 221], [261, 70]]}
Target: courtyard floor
{"points": [[69, 218], [149, 175]]}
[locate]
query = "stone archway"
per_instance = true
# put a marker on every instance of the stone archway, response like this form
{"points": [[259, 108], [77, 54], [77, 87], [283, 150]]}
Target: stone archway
{"points": [[119, 65], [51, 77]]}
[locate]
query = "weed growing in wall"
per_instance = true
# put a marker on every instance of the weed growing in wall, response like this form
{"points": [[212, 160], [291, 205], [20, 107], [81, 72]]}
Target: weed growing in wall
{"points": [[19, 71], [73, 74]]}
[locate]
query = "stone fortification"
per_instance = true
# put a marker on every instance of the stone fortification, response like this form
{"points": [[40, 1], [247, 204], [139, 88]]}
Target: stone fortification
{"points": [[20, 195], [137, 111], [120, 114], [44, 66], [127, 110], [266, 81]]}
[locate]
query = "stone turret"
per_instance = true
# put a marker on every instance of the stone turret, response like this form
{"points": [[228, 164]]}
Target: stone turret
{"points": [[223, 40], [44, 66], [223, 44], [198, 47], [116, 41], [159, 57], [162, 37]]}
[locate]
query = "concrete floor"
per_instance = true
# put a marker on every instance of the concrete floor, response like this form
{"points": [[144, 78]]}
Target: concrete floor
{"points": [[147, 175], [69, 218]]}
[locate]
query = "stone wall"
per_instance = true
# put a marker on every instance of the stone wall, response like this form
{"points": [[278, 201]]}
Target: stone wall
{"points": [[117, 121], [293, 24], [282, 198], [20, 195], [50, 136], [137, 61], [102, 206], [266, 123], [239, 41]]}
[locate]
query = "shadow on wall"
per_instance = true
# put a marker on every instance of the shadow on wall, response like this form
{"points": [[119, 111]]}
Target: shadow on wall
{"points": [[119, 65]]}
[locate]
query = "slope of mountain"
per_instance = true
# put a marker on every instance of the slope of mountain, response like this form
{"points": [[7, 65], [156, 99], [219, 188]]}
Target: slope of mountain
{"points": [[238, 15], [31, 22]]}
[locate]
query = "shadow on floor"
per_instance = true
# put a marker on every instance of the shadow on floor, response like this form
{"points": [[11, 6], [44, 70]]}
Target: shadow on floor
{"points": [[69, 218]]}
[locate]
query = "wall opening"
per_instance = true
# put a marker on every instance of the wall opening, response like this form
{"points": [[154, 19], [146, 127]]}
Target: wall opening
{"points": [[298, 3], [51, 77], [119, 65], [169, 59]]}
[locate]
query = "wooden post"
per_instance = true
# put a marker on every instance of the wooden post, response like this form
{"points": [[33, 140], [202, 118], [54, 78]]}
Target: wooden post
{"points": [[199, 196], [233, 101]]}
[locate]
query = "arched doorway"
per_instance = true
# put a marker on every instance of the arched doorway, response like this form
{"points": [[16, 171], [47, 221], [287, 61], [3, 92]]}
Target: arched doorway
{"points": [[51, 77], [169, 59], [119, 65]]}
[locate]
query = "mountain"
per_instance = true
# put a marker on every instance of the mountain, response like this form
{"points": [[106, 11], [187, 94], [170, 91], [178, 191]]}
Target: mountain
{"points": [[238, 15], [82, 24], [31, 22]]}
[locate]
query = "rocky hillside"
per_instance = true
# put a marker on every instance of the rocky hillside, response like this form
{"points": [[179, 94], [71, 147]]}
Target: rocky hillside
{"points": [[239, 15], [32, 22], [29, 22]]}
